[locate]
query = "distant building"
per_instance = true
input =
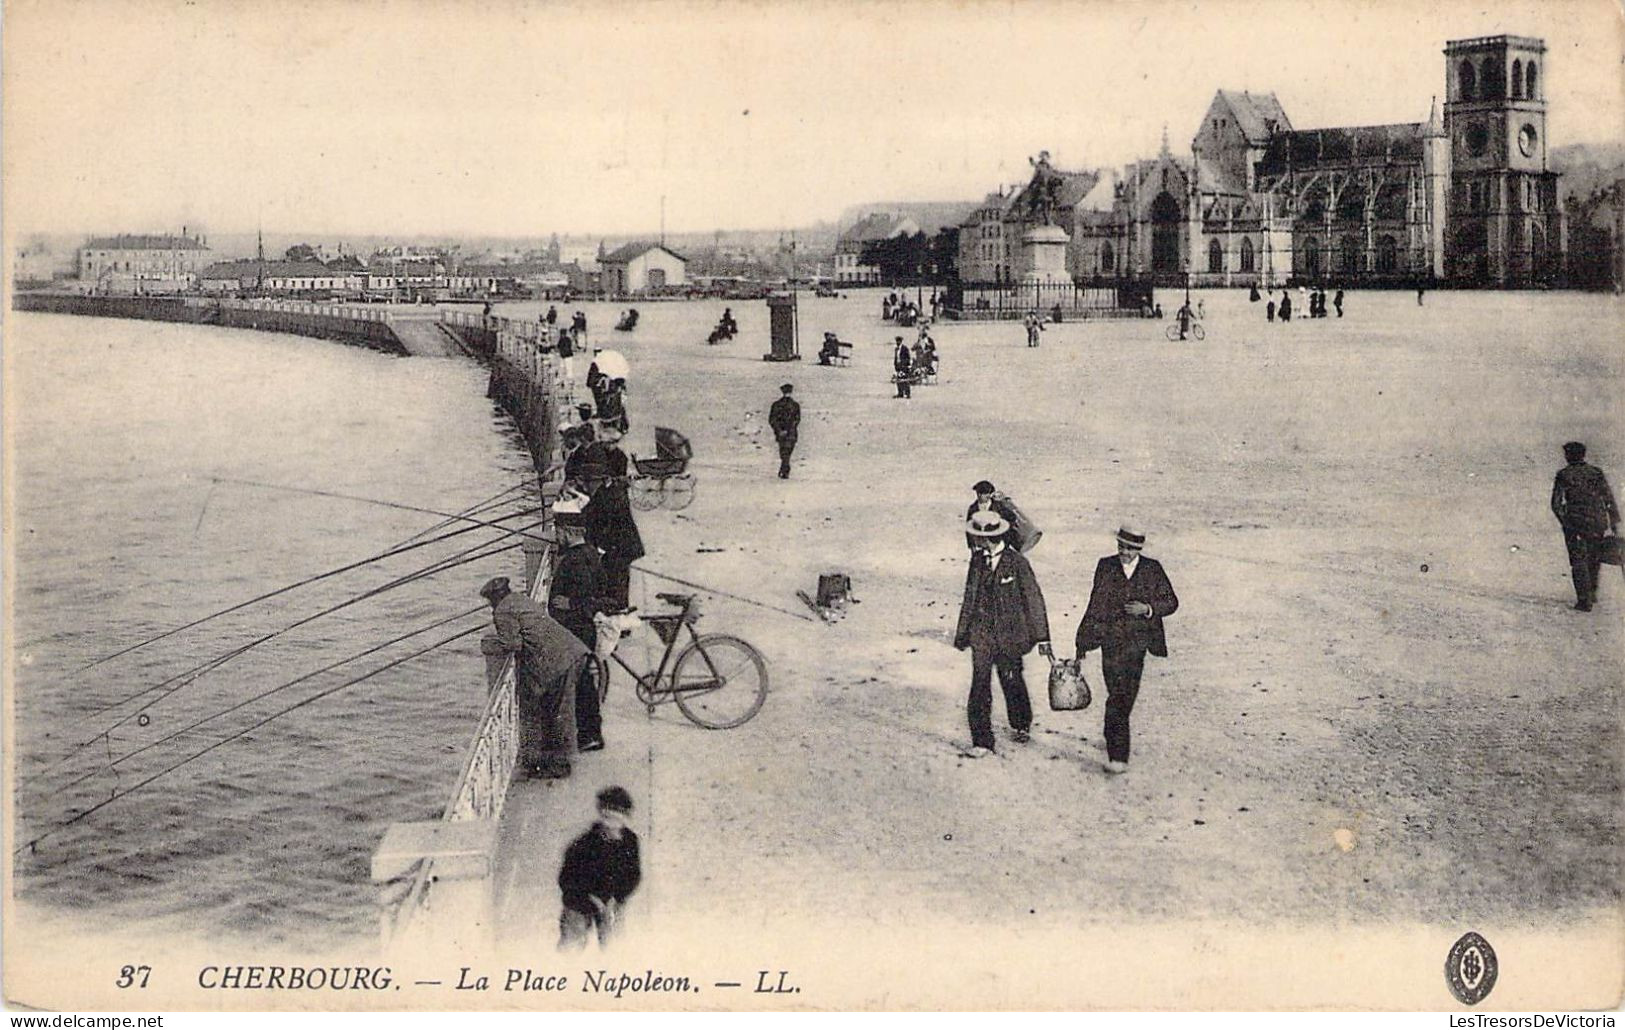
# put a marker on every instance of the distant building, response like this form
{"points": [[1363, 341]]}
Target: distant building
{"points": [[1464, 196], [640, 267], [984, 253], [279, 278], [849, 267], [141, 264]]}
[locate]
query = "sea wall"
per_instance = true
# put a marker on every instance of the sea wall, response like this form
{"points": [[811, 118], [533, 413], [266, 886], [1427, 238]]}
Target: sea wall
{"points": [[342, 323]]}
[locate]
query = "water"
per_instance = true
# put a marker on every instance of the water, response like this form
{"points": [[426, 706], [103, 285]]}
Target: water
{"points": [[120, 429]]}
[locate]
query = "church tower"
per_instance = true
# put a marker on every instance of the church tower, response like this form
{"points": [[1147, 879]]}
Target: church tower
{"points": [[1503, 215]]}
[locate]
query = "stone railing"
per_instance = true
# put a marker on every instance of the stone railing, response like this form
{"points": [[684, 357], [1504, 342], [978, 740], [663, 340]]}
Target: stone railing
{"points": [[354, 312], [435, 878]]}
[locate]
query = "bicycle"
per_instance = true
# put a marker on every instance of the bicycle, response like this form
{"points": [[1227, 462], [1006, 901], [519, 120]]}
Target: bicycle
{"points": [[1195, 330], [717, 681]]}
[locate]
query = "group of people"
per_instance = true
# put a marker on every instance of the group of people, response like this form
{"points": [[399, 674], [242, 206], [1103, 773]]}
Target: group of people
{"points": [[1003, 617], [913, 363], [628, 322], [898, 308], [1316, 299]]}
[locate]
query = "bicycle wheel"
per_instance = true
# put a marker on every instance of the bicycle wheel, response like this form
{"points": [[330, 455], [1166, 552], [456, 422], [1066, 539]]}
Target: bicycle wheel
{"points": [[644, 493], [1198, 332], [719, 682], [1172, 332]]}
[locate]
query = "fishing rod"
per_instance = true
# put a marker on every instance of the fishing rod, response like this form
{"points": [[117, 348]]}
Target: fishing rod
{"points": [[192, 674], [30, 845], [329, 493], [496, 500], [390, 553], [267, 693], [184, 679]]}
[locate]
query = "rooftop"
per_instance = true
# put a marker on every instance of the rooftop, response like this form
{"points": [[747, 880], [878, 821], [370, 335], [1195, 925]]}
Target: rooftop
{"points": [[632, 251], [136, 241]]}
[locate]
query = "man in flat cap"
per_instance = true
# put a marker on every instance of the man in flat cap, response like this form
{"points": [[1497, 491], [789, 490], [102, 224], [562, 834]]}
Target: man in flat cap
{"points": [[784, 417], [577, 592], [1002, 618], [1585, 508], [548, 660], [1130, 598]]}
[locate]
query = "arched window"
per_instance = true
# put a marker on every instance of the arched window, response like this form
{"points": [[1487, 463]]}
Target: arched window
{"points": [[1529, 86], [1108, 260], [1517, 80], [1387, 254], [1494, 80], [1215, 256], [1468, 80], [1348, 254], [1311, 257], [1246, 254]]}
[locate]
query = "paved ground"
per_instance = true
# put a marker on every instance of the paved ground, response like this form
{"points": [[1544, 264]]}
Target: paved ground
{"points": [[1380, 721]]}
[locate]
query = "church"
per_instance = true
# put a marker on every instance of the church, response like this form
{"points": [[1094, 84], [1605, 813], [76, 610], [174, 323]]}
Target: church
{"points": [[1462, 197]]}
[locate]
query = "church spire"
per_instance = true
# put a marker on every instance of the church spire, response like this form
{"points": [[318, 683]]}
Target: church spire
{"points": [[1435, 126], [1165, 151]]}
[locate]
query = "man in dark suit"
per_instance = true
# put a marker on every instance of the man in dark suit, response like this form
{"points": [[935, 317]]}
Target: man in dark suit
{"points": [[1584, 506], [577, 592], [1002, 618], [784, 417], [1130, 598]]}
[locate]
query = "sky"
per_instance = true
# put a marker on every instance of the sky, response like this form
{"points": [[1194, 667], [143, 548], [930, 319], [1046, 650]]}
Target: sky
{"points": [[494, 118]]}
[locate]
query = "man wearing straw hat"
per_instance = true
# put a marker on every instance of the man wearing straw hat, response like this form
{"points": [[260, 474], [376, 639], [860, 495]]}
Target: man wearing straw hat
{"points": [[1002, 618], [1130, 598]]}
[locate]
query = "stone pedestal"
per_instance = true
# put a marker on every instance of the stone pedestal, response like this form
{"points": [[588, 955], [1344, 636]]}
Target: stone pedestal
{"points": [[1043, 255]]}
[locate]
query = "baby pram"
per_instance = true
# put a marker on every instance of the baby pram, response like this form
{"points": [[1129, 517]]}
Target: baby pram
{"points": [[664, 480]]}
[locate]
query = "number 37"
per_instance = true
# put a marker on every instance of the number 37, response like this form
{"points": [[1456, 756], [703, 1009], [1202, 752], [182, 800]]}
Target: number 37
{"points": [[130, 975]]}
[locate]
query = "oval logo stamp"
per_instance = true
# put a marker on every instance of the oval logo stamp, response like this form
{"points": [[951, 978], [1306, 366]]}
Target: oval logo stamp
{"points": [[1470, 969]]}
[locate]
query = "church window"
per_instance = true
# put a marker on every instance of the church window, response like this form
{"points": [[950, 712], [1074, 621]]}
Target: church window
{"points": [[1348, 254], [1517, 80], [1246, 254], [1467, 79], [1387, 254], [1494, 80], [1107, 258], [1529, 88], [1215, 256]]}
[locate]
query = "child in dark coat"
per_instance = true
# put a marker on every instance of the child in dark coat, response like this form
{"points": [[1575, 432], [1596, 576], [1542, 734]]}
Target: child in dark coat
{"points": [[601, 869]]}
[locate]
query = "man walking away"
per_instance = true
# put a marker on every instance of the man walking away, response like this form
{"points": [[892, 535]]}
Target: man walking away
{"points": [[578, 592], [1001, 619], [785, 419], [903, 367], [1585, 508], [601, 869], [1337, 302], [1130, 598]]}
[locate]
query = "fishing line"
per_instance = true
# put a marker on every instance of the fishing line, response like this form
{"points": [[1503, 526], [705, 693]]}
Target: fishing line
{"points": [[391, 552], [330, 493], [496, 500], [189, 676], [724, 593], [114, 762], [241, 733]]}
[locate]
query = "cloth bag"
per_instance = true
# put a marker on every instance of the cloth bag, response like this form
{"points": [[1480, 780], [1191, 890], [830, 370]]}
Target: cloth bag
{"points": [[1026, 530], [1068, 690], [1612, 551]]}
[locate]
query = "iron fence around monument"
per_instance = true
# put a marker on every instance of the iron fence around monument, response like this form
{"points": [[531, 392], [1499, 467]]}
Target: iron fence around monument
{"points": [[997, 301]]}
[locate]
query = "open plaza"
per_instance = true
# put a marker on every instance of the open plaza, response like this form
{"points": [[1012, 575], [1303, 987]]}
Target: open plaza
{"points": [[1379, 708]]}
